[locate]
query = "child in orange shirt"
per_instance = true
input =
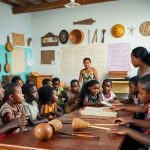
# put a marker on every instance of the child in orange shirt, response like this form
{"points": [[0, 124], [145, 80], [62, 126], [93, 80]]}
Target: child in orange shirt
{"points": [[48, 99]]}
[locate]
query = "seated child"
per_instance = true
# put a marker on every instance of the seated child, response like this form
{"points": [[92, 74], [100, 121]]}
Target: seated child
{"points": [[30, 104], [90, 94], [17, 80], [133, 92], [107, 95], [12, 108], [48, 105], [60, 93], [72, 97], [144, 95], [47, 82], [12, 124]]}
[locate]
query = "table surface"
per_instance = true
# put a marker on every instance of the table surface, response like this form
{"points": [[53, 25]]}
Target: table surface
{"points": [[106, 141]]}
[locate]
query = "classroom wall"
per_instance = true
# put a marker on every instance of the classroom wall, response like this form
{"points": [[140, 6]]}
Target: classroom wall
{"points": [[127, 12], [13, 23]]}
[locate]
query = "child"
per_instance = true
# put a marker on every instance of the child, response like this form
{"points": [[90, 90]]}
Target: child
{"points": [[47, 82], [30, 105], [90, 94], [133, 92], [60, 92], [17, 80], [12, 124], [107, 95], [88, 73], [13, 107], [49, 107], [73, 98], [144, 94]]}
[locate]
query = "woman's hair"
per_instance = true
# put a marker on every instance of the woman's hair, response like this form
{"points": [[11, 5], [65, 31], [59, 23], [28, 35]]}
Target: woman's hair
{"points": [[15, 79], [26, 88], [9, 89], [142, 53], [134, 80], [85, 88], [86, 59], [73, 81], [55, 80], [107, 80], [145, 81], [45, 94]]}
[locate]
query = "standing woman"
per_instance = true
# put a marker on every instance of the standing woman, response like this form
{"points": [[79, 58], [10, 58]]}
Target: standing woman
{"points": [[141, 58], [88, 73]]}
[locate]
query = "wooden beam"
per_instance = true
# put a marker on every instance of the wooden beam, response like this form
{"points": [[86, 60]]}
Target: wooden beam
{"points": [[10, 3], [39, 7], [25, 2], [52, 5], [43, 1], [85, 2]]}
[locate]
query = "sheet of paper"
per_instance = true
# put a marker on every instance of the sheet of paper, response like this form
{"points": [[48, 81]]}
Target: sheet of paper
{"points": [[18, 60], [18, 39], [119, 58]]}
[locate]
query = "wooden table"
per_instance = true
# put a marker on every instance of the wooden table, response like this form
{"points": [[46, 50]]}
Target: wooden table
{"points": [[27, 140]]}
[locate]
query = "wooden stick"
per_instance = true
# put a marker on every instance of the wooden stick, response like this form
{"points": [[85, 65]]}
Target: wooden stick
{"points": [[101, 124], [79, 135], [88, 36], [103, 128]]}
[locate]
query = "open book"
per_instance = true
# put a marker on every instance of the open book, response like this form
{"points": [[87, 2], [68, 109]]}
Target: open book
{"points": [[98, 111]]}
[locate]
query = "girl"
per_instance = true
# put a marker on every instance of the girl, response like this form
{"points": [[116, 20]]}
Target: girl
{"points": [[133, 92], [90, 94], [13, 107], [144, 94], [107, 95], [30, 105], [49, 107], [88, 73], [141, 58], [73, 98]]}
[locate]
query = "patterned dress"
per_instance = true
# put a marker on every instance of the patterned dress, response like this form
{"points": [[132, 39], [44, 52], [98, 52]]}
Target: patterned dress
{"points": [[88, 77]]}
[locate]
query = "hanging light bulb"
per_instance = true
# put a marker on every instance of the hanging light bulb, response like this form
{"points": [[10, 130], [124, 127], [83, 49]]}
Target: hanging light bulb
{"points": [[72, 4]]}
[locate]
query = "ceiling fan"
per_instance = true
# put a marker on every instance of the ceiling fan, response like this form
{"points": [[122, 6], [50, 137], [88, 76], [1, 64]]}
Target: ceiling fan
{"points": [[72, 4]]}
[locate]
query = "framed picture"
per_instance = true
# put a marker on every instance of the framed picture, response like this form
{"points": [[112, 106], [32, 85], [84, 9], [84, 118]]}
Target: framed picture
{"points": [[50, 40]]}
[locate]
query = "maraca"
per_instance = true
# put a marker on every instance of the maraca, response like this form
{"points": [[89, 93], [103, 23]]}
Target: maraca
{"points": [[43, 131]]}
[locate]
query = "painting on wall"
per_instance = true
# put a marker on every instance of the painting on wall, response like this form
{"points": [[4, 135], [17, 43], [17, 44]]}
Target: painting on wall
{"points": [[18, 39], [50, 40], [48, 57]]}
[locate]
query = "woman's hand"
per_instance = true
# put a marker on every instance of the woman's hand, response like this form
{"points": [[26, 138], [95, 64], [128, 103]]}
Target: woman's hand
{"points": [[121, 121], [119, 130]]}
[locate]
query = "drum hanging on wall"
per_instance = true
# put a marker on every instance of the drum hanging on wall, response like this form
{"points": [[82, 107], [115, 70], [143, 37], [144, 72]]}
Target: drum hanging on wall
{"points": [[76, 36]]}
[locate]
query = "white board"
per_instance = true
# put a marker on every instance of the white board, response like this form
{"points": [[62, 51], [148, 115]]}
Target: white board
{"points": [[72, 59]]}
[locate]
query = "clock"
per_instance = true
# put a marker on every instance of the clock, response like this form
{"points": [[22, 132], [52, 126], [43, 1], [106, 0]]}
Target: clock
{"points": [[63, 36]]}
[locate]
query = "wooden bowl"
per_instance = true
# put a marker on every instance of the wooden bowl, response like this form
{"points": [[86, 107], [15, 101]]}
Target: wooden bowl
{"points": [[76, 36]]}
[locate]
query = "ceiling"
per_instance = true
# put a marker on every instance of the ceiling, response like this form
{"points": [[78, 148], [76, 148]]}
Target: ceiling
{"points": [[24, 6]]}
